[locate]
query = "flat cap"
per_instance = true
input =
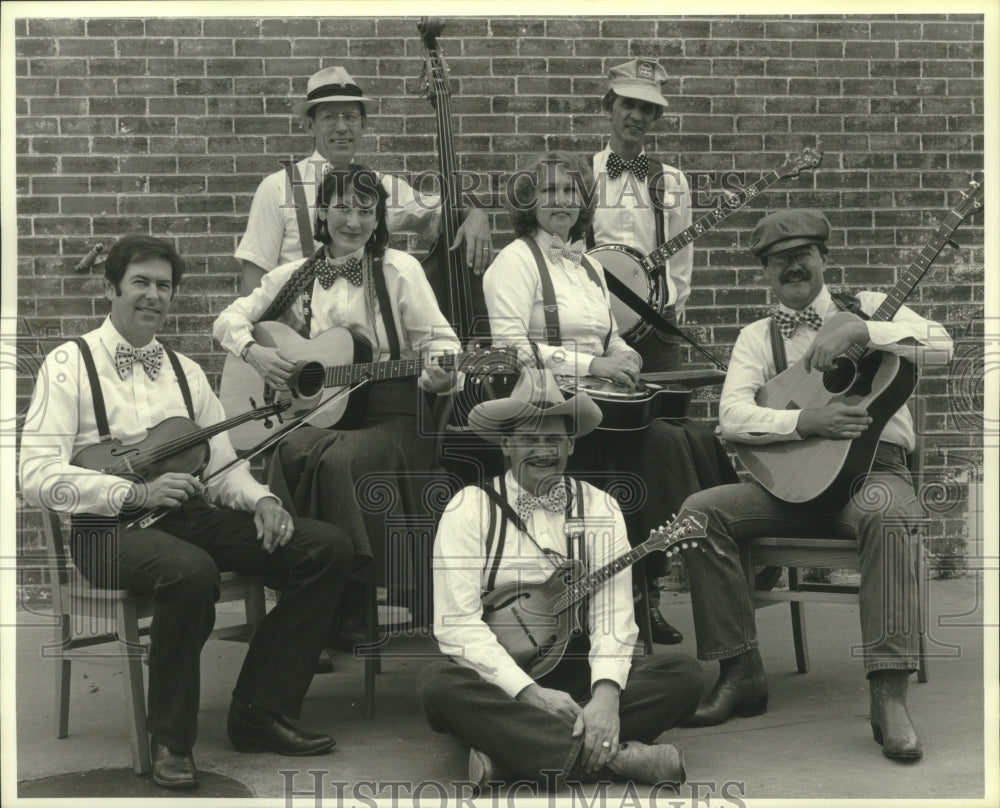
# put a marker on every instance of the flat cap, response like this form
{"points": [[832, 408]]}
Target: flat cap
{"points": [[785, 229]]}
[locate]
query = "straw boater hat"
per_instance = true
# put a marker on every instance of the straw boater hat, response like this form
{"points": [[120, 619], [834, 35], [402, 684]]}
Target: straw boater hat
{"points": [[640, 79], [329, 84], [536, 395]]}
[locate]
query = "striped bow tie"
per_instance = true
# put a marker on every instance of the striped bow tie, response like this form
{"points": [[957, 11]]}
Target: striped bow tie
{"points": [[555, 500], [572, 252], [126, 356], [638, 166], [787, 323], [327, 272]]}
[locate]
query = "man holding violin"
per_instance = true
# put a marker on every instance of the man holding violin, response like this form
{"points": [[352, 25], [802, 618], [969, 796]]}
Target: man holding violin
{"points": [[119, 382]]}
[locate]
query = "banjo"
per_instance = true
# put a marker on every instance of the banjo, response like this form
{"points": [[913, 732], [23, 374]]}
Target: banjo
{"points": [[644, 274]]}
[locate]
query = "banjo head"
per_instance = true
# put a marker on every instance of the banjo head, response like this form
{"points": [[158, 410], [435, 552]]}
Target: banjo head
{"points": [[625, 264]]}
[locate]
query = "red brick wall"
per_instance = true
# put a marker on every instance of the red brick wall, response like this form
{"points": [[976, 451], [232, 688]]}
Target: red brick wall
{"points": [[167, 125]]}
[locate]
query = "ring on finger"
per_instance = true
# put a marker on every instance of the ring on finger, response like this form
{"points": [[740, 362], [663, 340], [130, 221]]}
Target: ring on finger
{"points": [[606, 744]]}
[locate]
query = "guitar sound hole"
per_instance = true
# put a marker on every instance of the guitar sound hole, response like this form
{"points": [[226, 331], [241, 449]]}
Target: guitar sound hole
{"points": [[840, 379], [310, 380]]}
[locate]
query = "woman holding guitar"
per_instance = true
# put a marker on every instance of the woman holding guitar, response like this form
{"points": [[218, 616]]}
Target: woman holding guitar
{"points": [[382, 297], [549, 300]]}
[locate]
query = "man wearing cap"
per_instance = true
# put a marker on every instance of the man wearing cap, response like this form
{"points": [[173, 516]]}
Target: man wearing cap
{"points": [[279, 228], [596, 713], [792, 248], [641, 202]]}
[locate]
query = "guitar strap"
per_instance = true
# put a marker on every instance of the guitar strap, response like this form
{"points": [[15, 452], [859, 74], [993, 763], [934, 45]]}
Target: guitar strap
{"points": [[97, 394], [550, 307], [297, 185], [297, 283], [382, 292], [575, 546], [842, 300]]}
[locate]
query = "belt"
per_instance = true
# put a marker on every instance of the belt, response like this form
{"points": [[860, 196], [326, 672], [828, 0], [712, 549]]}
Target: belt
{"points": [[888, 451]]}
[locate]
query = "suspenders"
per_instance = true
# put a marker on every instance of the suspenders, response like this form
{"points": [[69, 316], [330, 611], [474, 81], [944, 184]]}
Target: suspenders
{"points": [[301, 208], [496, 532], [842, 300], [100, 411], [549, 305]]}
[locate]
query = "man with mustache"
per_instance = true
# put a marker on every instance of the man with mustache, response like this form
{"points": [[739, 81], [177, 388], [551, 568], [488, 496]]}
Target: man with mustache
{"points": [[279, 227], [596, 714], [792, 248]]}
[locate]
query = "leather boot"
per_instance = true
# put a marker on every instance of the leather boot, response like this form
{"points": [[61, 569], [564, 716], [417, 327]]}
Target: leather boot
{"points": [[659, 763], [890, 719], [740, 690], [662, 632]]}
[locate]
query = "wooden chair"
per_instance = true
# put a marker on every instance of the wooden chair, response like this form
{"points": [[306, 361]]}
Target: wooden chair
{"points": [[763, 559], [87, 616]]}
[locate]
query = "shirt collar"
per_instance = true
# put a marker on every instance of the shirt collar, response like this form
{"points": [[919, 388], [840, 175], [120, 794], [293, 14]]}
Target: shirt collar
{"points": [[111, 338], [358, 253], [821, 303]]}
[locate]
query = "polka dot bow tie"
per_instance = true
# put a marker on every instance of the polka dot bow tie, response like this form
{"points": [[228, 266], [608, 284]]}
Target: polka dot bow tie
{"points": [[787, 323], [327, 272], [638, 166], [572, 252], [126, 356], [555, 500]]}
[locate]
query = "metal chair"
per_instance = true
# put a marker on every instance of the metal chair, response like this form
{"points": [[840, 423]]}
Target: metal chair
{"points": [[87, 616]]}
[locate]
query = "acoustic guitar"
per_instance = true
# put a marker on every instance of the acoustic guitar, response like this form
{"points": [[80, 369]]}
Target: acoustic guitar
{"points": [[822, 471], [535, 622], [332, 360]]}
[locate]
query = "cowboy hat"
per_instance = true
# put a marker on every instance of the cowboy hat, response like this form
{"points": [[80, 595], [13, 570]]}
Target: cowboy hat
{"points": [[536, 395]]}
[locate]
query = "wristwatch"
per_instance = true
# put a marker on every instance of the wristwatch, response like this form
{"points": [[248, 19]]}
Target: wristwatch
{"points": [[246, 349]]}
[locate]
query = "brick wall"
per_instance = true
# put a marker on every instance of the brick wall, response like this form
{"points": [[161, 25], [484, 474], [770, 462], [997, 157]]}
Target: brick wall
{"points": [[166, 126]]}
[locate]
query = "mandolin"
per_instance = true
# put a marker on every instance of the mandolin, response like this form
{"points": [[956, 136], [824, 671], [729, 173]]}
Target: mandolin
{"points": [[825, 471], [459, 293], [535, 622]]}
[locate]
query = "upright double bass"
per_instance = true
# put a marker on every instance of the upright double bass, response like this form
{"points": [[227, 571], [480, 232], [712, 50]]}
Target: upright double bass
{"points": [[459, 292]]}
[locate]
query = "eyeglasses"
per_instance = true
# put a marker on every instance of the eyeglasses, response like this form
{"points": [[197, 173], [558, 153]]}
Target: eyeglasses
{"points": [[783, 261], [350, 118]]}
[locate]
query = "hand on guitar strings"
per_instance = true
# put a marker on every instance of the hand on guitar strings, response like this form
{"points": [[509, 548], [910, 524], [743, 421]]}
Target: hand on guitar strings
{"points": [[837, 420], [475, 232], [169, 490], [272, 365], [832, 342], [620, 367], [435, 379], [274, 524]]}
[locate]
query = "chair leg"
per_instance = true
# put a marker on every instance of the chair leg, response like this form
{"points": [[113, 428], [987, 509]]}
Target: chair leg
{"points": [[373, 656], [643, 619], [799, 636], [135, 692], [63, 671]]}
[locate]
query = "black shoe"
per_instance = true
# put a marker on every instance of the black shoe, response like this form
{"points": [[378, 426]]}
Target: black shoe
{"points": [[253, 729], [740, 690], [171, 770], [662, 632]]}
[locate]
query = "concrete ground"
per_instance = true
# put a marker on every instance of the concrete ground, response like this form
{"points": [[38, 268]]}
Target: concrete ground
{"points": [[813, 742]]}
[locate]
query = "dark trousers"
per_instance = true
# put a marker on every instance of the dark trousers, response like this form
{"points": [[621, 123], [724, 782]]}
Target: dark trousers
{"points": [[525, 741], [177, 561], [659, 350]]}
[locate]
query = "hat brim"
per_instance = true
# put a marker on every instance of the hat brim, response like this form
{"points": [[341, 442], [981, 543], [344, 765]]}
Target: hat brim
{"points": [[639, 90], [301, 108], [491, 420], [788, 244]]}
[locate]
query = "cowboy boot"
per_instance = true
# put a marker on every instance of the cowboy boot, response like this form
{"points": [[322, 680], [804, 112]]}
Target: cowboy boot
{"points": [[740, 690], [649, 764], [662, 632], [890, 719]]}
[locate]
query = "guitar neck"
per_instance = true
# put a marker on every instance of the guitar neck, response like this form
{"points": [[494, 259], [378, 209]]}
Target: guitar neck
{"points": [[341, 375], [658, 256]]}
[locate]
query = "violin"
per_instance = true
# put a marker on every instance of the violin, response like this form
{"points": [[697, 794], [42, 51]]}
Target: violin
{"points": [[459, 293], [175, 444]]}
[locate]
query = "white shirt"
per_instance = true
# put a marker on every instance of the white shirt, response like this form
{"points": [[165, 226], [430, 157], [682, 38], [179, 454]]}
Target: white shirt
{"points": [[625, 215], [419, 322], [513, 293], [272, 236], [752, 365], [60, 422], [459, 581]]}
